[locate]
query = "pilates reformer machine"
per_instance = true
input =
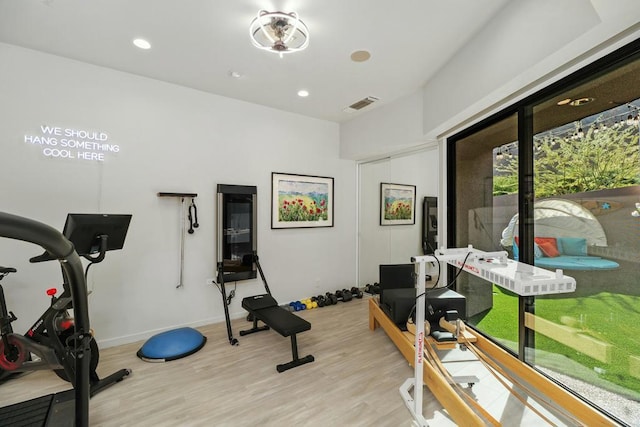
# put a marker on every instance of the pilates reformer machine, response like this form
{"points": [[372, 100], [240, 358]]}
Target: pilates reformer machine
{"points": [[422, 350]]}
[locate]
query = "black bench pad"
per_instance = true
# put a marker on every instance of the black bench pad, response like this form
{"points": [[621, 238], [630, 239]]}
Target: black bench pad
{"points": [[266, 309], [282, 321]]}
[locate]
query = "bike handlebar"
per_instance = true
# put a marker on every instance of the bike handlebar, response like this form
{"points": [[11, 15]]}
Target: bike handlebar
{"points": [[51, 240], [28, 230]]}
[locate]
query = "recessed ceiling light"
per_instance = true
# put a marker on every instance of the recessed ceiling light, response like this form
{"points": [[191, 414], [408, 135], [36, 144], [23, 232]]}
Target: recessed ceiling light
{"points": [[580, 101], [303, 93], [360, 56], [142, 44], [564, 101], [235, 74]]}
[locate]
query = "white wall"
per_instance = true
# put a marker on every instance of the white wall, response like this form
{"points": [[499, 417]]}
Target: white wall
{"points": [[392, 244], [363, 138], [171, 139], [523, 43], [525, 47]]}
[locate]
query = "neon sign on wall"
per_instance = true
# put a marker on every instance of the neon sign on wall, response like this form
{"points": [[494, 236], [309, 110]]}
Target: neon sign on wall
{"points": [[69, 143]]}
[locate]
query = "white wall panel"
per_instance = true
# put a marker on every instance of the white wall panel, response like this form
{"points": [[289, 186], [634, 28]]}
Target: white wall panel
{"points": [[175, 140], [525, 47], [398, 243]]}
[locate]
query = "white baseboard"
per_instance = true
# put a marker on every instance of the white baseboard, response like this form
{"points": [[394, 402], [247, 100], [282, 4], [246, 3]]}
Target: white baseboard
{"points": [[128, 339]]}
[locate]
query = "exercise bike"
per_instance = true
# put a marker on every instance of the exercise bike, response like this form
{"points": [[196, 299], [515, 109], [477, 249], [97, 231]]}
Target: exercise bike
{"points": [[48, 344], [51, 342]]}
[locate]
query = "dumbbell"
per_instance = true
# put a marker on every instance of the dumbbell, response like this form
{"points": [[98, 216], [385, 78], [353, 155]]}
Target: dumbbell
{"points": [[372, 289], [297, 306], [325, 301], [320, 300], [356, 293], [331, 299], [344, 295]]}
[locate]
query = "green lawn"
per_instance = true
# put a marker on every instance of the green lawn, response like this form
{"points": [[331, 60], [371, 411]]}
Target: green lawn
{"points": [[607, 317]]}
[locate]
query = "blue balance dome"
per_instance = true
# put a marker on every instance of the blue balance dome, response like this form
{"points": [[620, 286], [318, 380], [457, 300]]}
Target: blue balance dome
{"points": [[171, 345]]}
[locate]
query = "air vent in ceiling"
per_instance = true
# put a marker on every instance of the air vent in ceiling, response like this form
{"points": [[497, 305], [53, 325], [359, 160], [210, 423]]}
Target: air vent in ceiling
{"points": [[359, 105]]}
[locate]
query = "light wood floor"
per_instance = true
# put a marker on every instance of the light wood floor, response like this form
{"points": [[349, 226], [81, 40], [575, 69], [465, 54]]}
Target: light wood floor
{"points": [[354, 381]]}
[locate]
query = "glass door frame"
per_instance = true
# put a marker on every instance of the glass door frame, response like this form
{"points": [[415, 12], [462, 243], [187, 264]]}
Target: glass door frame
{"points": [[524, 110]]}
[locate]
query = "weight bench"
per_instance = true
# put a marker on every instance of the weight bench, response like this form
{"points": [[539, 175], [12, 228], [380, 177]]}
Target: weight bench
{"points": [[265, 308]]}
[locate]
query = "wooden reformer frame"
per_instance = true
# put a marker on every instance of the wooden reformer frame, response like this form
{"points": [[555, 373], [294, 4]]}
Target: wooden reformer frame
{"points": [[453, 403]]}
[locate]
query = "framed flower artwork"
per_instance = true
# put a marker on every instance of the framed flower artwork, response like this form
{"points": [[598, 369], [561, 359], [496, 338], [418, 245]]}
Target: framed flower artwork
{"points": [[397, 204], [301, 201]]}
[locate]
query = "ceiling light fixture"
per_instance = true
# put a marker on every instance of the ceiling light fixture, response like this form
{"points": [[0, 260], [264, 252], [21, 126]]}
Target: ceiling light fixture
{"points": [[303, 93], [279, 32], [581, 101], [142, 44]]}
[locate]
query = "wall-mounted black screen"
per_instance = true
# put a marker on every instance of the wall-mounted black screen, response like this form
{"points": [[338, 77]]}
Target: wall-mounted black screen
{"points": [[429, 225], [237, 235]]}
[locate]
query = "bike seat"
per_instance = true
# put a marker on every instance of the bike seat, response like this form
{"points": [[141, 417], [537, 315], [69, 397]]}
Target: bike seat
{"points": [[7, 270]]}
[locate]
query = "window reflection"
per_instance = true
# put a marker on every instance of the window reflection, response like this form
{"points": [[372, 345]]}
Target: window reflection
{"points": [[586, 216]]}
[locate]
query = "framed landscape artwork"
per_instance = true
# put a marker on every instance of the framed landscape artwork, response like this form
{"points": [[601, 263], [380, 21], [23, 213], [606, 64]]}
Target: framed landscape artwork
{"points": [[397, 204], [301, 201]]}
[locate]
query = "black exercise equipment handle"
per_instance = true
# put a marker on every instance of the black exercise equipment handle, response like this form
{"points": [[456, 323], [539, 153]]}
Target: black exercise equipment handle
{"points": [[225, 303], [193, 217], [52, 241], [6, 270], [195, 214], [190, 231], [264, 280]]}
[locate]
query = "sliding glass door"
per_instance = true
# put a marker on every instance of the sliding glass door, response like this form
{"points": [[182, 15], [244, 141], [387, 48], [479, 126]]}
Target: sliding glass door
{"points": [[555, 181], [586, 180], [485, 198]]}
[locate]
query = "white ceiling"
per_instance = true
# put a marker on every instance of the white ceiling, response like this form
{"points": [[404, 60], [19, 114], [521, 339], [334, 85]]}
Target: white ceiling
{"points": [[197, 43]]}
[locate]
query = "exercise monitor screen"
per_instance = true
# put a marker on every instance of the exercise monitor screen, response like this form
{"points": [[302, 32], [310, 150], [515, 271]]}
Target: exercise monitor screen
{"points": [[84, 231]]}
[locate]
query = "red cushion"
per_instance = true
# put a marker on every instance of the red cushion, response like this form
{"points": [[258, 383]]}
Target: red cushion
{"points": [[548, 246]]}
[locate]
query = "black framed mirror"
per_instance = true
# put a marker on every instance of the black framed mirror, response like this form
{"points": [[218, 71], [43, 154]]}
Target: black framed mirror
{"points": [[236, 232], [429, 225]]}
